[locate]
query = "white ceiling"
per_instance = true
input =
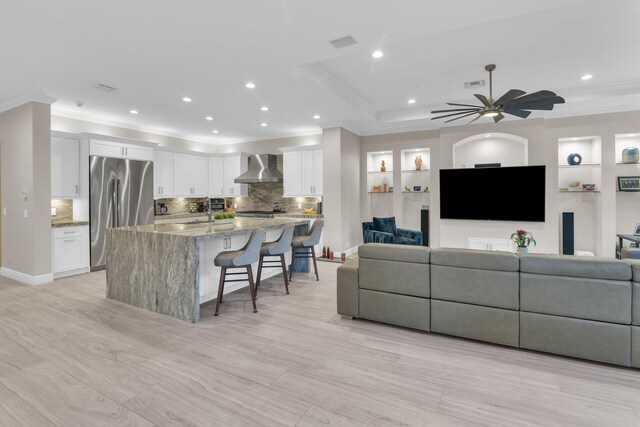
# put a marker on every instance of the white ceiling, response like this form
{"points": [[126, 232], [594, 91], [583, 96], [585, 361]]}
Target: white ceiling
{"points": [[157, 51]]}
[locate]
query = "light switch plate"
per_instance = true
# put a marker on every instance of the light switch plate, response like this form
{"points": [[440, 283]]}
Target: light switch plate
{"points": [[25, 194], [26, 213]]}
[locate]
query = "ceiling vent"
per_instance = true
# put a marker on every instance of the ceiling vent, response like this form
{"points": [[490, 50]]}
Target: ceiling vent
{"points": [[103, 87], [343, 42], [474, 84]]}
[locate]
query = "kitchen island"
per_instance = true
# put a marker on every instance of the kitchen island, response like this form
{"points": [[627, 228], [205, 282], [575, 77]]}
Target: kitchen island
{"points": [[168, 268]]}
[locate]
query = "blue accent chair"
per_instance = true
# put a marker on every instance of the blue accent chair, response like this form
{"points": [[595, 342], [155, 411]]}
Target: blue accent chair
{"points": [[384, 230]]}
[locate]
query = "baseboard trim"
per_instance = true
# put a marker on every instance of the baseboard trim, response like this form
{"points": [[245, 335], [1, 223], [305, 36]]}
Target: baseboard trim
{"points": [[71, 272], [25, 278]]}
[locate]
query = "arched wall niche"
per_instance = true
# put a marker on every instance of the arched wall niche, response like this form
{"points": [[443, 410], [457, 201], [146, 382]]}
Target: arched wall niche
{"points": [[504, 148]]}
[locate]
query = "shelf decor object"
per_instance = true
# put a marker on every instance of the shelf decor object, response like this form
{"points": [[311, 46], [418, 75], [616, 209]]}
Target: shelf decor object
{"points": [[630, 155], [418, 162], [383, 167], [376, 188], [588, 187], [574, 159], [523, 239], [629, 183]]}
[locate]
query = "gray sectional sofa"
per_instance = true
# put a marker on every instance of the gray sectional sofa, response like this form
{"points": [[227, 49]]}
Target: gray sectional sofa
{"points": [[582, 307]]}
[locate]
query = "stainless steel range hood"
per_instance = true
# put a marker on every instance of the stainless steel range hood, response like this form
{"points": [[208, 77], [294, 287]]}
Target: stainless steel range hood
{"points": [[262, 168]]}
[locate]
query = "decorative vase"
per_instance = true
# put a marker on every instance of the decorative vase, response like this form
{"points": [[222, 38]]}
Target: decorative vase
{"points": [[630, 155], [383, 167], [418, 162], [384, 188], [523, 249], [574, 159]]}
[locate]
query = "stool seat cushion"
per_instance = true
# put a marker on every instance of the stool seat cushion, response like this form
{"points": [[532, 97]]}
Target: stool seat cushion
{"points": [[271, 248], [226, 259], [300, 241]]}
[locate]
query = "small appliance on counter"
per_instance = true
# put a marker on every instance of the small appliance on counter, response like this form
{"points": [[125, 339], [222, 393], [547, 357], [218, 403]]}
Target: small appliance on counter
{"points": [[217, 205], [319, 208], [193, 207], [160, 208]]}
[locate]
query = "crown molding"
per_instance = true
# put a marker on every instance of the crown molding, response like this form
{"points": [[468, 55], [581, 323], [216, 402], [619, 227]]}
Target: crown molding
{"points": [[40, 97]]}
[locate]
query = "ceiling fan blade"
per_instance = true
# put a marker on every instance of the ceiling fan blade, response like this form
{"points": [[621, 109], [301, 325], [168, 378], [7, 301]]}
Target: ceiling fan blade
{"points": [[512, 94], [463, 105], [479, 115], [517, 112], [461, 117], [463, 114], [460, 110], [535, 96], [497, 118], [483, 99]]}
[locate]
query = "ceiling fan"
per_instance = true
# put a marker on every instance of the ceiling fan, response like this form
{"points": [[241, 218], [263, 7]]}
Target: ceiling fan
{"points": [[515, 102]]}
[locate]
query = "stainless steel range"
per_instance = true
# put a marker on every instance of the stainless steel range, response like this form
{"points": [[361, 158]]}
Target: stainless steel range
{"points": [[258, 214]]}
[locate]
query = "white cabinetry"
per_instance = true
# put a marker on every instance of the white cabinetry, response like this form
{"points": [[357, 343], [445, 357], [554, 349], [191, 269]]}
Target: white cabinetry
{"points": [[488, 244], [70, 250], [120, 150], [65, 168], [162, 174], [234, 166], [190, 175], [303, 173], [216, 176]]}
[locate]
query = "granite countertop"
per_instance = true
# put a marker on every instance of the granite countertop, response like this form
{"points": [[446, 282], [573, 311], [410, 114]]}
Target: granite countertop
{"points": [[180, 215], [69, 224], [240, 225], [298, 215]]}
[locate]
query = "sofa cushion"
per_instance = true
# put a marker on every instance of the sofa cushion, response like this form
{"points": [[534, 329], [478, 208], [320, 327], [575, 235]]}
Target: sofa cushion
{"points": [[405, 278], [386, 225], [586, 339], [635, 307], [347, 288], [481, 287], [581, 298], [403, 253], [635, 269], [470, 258], [401, 310], [573, 266]]}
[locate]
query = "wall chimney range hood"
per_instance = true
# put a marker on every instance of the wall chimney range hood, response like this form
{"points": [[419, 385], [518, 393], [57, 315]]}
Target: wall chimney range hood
{"points": [[262, 168]]}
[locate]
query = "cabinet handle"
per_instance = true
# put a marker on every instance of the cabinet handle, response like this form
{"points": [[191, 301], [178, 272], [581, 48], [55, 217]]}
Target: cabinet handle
{"points": [[77, 188], [162, 189], [68, 232], [122, 151], [126, 151], [69, 240]]}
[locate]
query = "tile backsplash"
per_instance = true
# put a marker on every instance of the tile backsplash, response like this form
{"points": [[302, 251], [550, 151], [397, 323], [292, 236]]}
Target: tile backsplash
{"points": [[64, 210]]}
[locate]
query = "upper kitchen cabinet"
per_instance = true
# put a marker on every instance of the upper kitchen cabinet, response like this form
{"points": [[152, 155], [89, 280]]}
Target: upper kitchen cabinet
{"points": [[190, 176], [302, 173], [120, 150], [216, 177], [65, 168], [162, 174], [234, 166]]}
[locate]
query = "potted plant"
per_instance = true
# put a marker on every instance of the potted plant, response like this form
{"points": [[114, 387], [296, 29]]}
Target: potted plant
{"points": [[224, 218], [523, 239]]}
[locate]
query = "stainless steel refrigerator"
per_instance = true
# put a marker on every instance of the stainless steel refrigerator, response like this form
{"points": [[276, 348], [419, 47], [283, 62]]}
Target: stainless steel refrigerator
{"points": [[121, 195]]}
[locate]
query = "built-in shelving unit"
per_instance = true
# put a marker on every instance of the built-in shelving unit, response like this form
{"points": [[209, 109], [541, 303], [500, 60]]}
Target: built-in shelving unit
{"points": [[415, 176], [627, 202], [382, 180]]}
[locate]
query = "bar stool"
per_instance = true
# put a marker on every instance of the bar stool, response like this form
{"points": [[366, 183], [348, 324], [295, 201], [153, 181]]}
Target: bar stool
{"points": [[242, 258], [276, 249], [304, 246]]}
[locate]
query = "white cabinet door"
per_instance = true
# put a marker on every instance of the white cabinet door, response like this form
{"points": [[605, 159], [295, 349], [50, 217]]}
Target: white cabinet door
{"points": [[163, 174], [135, 152], [292, 173], [65, 168], [231, 172], [199, 168], [317, 173], [307, 173], [181, 175], [106, 149], [70, 250], [216, 176]]}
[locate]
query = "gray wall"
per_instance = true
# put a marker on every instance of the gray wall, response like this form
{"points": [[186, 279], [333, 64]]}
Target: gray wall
{"points": [[25, 152]]}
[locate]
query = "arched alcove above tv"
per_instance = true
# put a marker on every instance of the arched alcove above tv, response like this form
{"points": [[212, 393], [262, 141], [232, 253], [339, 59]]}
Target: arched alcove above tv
{"points": [[490, 148]]}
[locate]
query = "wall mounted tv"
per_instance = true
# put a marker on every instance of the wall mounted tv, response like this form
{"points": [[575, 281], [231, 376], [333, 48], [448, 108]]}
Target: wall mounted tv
{"points": [[494, 194]]}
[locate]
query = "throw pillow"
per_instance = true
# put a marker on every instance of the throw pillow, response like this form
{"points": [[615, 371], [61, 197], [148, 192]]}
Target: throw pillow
{"points": [[386, 225]]}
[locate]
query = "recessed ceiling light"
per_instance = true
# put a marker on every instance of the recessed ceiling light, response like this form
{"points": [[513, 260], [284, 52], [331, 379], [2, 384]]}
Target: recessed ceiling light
{"points": [[186, 99], [250, 85], [215, 131], [316, 117], [487, 136], [209, 118], [133, 111], [411, 101], [586, 77], [377, 54], [263, 124], [264, 108]]}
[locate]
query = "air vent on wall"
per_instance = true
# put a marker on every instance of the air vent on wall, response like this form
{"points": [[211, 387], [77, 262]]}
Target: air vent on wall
{"points": [[103, 87], [343, 42], [474, 84]]}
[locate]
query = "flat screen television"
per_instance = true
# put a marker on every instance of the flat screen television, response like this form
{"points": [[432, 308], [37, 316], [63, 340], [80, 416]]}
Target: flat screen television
{"points": [[514, 193]]}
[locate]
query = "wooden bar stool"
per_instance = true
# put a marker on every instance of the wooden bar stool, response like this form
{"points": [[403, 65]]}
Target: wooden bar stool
{"points": [[276, 249], [304, 246], [242, 259]]}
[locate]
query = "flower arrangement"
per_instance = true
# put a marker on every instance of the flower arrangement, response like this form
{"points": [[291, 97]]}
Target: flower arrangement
{"points": [[523, 238]]}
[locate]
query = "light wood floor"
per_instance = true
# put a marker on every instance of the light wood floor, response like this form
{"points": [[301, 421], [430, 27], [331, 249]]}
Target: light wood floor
{"points": [[70, 357]]}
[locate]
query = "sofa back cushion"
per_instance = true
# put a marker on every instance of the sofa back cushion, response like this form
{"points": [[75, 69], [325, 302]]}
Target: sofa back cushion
{"points": [[470, 258], [574, 266], [403, 253], [386, 225]]}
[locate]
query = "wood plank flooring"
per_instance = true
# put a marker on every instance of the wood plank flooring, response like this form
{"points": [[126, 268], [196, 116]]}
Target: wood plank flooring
{"points": [[70, 357]]}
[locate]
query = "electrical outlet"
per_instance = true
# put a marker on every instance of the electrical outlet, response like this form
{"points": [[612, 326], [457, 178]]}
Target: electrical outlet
{"points": [[54, 211], [25, 194], [299, 205], [26, 213]]}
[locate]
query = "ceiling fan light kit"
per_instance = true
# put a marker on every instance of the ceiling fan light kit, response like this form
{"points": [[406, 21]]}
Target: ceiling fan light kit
{"points": [[515, 102]]}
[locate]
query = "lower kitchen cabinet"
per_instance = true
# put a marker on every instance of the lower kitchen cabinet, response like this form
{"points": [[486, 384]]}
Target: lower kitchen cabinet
{"points": [[70, 254]]}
